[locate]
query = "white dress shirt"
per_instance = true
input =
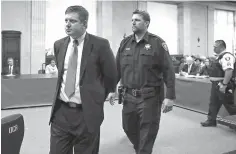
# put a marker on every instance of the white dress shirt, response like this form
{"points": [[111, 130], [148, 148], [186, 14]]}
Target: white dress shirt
{"points": [[76, 97], [10, 69], [189, 67]]}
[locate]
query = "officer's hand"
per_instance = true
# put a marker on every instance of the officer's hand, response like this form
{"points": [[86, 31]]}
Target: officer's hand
{"points": [[222, 87], [167, 105], [111, 98]]}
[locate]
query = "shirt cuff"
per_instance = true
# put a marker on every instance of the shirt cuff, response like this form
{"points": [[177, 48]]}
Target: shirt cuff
{"points": [[170, 93]]}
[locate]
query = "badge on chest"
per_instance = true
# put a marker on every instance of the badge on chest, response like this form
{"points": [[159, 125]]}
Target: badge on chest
{"points": [[147, 47]]}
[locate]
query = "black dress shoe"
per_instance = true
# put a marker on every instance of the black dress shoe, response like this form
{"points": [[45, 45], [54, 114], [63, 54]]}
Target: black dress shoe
{"points": [[209, 123]]}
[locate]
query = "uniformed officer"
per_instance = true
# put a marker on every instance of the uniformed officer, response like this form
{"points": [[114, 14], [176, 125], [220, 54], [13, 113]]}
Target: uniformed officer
{"points": [[220, 75], [143, 63]]}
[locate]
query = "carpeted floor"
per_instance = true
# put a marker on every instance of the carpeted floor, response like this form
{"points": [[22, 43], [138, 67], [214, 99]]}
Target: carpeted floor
{"points": [[180, 133]]}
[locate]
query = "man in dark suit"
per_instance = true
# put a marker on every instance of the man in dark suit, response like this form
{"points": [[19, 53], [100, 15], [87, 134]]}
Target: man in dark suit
{"points": [[11, 69], [86, 75], [190, 67]]}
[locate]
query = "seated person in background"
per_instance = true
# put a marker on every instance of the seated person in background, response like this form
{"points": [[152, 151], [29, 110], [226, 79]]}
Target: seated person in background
{"points": [[198, 61], [183, 62], [190, 68], [11, 69], [203, 58], [51, 68], [204, 71]]}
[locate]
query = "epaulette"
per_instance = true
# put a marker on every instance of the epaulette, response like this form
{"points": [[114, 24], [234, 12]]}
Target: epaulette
{"points": [[222, 55], [124, 41], [127, 38], [157, 37]]}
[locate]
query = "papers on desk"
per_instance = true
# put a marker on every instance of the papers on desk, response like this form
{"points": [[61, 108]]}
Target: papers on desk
{"points": [[202, 77], [196, 76], [191, 76], [177, 74], [10, 75]]}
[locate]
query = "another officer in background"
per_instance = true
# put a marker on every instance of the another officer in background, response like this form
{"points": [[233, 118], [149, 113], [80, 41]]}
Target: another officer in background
{"points": [[143, 63], [220, 74]]}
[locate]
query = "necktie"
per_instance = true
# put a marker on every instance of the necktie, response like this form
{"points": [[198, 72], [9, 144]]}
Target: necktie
{"points": [[10, 70], [71, 71], [189, 68]]}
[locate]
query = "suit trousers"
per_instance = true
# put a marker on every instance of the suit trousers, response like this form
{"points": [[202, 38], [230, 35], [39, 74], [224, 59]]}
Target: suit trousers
{"points": [[218, 98], [69, 132], [141, 118]]}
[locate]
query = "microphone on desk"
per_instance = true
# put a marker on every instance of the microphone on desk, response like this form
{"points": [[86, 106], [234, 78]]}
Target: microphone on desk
{"points": [[42, 71], [43, 67]]}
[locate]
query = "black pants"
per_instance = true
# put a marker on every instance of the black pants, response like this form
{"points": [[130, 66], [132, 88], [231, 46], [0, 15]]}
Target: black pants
{"points": [[141, 118], [69, 132], [218, 98]]}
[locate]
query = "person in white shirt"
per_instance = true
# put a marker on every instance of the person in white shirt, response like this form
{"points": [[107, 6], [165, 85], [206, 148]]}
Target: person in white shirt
{"points": [[51, 68]]}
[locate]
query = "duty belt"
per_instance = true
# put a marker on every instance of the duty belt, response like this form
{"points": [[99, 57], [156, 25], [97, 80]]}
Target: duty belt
{"points": [[216, 78], [134, 92], [138, 92]]}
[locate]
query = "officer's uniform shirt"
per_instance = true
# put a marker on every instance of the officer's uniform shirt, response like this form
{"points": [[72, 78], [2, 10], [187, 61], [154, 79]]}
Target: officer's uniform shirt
{"points": [[145, 63], [223, 62], [227, 61]]}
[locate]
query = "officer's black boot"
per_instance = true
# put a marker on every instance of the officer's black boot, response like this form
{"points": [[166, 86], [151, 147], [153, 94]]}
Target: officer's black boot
{"points": [[209, 123]]}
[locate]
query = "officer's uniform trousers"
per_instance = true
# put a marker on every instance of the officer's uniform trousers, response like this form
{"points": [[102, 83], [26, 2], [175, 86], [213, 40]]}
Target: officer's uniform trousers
{"points": [[218, 98], [141, 118]]}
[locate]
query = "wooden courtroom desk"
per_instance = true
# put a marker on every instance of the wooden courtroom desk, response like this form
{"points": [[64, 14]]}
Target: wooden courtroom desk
{"points": [[194, 94], [39, 89], [27, 90]]}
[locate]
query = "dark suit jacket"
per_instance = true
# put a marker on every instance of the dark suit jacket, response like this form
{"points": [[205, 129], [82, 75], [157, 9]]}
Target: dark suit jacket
{"points": [[204, 70], [194, 69], [15, 71], [98, 76]]}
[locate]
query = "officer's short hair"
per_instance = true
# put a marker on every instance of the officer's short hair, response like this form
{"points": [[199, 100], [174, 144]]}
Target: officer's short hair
{"points": [[81, 11], [144, 14], [221, 43]]}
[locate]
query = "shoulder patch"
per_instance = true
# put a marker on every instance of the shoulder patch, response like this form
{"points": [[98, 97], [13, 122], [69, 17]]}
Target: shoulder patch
{"points": [[164, 45]]}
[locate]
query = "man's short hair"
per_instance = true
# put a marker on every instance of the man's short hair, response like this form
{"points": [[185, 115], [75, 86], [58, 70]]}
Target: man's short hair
{"points": [[144, 14], [221, 43], [189, 58], [10, 58], [81, 11], [53, 59]]}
